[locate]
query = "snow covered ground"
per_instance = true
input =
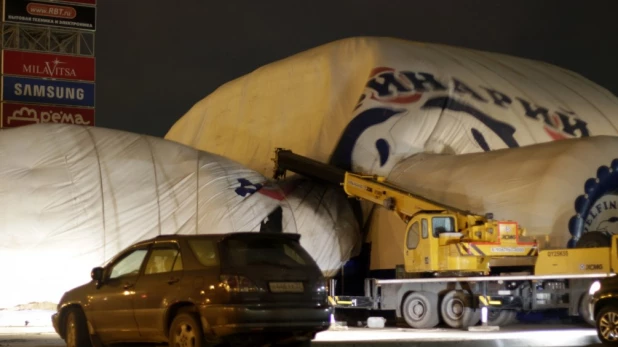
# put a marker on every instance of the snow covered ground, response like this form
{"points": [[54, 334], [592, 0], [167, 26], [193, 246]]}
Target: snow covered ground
{"points": [[18, 318], [37, 314]]}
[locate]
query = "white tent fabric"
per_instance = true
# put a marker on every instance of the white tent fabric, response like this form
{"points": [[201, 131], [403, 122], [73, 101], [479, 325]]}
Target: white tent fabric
{"points": [[366, 104], [325, 220], [537, 186], [71, 197]]}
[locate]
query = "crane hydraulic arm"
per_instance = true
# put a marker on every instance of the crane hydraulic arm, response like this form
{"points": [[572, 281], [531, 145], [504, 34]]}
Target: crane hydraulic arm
{"points": [[371, 188]]}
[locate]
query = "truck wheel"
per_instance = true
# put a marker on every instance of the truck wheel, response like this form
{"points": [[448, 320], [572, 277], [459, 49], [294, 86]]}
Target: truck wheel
{"points": [[501, 317], [456, 309], [584, 311], [476, 318], [420, 310], [76, 329], [607, 330], [593, 239], [513, 318]]}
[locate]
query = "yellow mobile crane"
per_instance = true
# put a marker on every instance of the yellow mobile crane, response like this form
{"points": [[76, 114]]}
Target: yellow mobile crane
{"points": [[454, 259], [441, 240]]}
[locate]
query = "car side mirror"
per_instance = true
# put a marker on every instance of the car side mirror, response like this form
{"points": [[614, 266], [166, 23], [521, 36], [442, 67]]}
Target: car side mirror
{"points": [[97, 275]]}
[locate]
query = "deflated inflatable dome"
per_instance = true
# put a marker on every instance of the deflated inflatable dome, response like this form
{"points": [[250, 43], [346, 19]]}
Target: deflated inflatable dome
{"points": [[71, 197], [366, 104]]}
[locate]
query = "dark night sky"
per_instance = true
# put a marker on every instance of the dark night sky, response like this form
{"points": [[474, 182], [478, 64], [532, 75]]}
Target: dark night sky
{"points": [[156, 58]]}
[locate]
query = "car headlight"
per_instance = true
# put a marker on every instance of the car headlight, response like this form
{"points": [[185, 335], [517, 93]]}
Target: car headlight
{"points": [[594, 287]]}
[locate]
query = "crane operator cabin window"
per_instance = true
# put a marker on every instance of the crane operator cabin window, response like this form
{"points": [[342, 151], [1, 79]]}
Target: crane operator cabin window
{"points": [[443, 225]]}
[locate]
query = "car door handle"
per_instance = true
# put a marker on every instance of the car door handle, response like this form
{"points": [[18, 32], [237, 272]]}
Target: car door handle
{"points": [[173, 280], [128, 285]]}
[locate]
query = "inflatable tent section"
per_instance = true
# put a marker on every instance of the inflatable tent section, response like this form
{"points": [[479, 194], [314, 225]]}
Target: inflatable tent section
{"points": [[71, 197]]}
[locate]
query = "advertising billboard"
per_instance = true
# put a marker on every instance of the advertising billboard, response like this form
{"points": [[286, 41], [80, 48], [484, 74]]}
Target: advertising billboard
{"points": [[17, 114], [48, 65], [50, 14], [41, 91], [88, 2]]}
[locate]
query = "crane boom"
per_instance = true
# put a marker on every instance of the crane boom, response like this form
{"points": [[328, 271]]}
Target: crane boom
{"points": [[372, 188], [285, 160]]}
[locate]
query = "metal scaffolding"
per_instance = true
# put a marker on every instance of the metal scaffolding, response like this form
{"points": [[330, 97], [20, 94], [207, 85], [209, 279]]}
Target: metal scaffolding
{"points": [[47, 39]]}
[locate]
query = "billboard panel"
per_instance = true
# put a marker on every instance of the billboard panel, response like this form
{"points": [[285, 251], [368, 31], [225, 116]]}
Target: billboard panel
{"points": [[89, 2], [17, 114], [50, 14], [48, 65], [41, 91]]}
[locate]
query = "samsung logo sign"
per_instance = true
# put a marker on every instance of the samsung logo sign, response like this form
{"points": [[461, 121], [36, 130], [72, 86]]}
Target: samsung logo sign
{"points": [[52, 92], [42, 91]]}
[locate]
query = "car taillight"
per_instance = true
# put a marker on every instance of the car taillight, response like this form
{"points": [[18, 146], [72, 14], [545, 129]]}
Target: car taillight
{"points": [[239, 284]]}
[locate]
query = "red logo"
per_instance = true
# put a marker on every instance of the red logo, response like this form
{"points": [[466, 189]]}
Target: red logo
{"points": [[554, 129], [55, 11], [16, 115]]}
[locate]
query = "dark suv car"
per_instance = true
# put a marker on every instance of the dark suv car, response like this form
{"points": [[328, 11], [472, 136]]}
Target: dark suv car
{"points": [[192, 290], [603, 309]]}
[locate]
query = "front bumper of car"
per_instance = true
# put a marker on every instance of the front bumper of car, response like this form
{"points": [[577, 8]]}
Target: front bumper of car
{"points": [[55, 318], [591, 303]]}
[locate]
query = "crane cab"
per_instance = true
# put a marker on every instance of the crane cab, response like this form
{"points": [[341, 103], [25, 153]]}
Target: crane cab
{"points": [[434, 242], [429, 240]]}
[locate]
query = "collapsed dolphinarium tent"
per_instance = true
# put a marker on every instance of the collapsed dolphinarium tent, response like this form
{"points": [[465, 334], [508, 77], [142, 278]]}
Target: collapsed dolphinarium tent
{"points": [[367, 104], [548, 187], [71, 197]]}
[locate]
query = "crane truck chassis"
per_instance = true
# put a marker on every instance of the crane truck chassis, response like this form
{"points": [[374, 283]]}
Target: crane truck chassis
{"points": [[476, 263]]}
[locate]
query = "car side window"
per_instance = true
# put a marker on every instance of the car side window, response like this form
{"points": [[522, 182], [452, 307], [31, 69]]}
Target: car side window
{"points": [[205, 251], [412, 240], [129, 265], [162, 259]]}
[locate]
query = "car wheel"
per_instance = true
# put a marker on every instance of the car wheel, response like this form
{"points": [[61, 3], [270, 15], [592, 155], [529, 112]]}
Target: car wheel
{"points": [[607, 325], [186, 331], [76, 329], [420, 310]]}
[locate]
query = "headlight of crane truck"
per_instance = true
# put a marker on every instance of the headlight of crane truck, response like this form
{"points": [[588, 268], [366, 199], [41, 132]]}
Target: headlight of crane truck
{"points": [[457, 262]]}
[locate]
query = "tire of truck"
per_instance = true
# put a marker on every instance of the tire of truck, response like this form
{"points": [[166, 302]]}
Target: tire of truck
{"points": [[476, 318], [420, 310], [584, 310], [593, 239], [606, 330], [456, 309], [501, 317]]}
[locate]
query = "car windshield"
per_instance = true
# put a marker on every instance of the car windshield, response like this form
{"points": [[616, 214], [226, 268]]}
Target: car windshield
{"points": [[263, 250]]}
